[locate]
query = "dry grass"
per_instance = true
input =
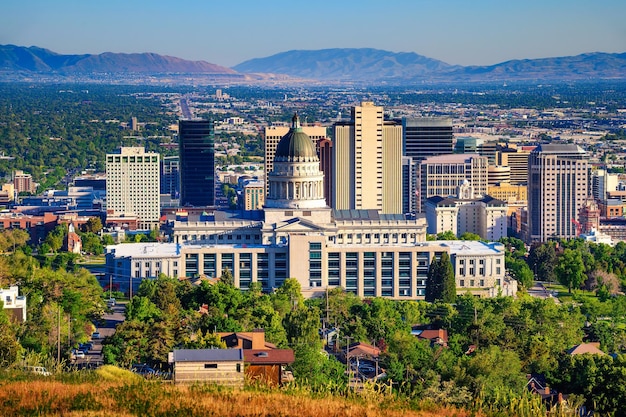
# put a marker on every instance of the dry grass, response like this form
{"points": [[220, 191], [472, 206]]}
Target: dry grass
{"points": [[105, 397]]}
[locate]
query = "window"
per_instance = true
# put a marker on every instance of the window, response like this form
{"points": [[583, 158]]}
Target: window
{"points": [[211, 366]]}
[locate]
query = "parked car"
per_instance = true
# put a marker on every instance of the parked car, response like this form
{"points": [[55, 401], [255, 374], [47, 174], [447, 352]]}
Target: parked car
{"points": [[367, 369], [144, 370], [78, 353], [95, 335], [111, 302], [39, 370], [85, 347]]}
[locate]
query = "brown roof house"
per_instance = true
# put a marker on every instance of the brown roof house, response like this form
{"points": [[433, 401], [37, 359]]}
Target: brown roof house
{"points": [[216, 366], [268, 366], [246, 340], [592, 348], [435, 336]]}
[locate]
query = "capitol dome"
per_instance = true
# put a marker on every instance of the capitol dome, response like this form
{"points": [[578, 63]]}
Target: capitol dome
{"points": [[296, 180], [296, 145]]}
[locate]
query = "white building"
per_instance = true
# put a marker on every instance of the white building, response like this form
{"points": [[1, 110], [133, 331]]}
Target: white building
{"points": [[479, 267], [486, 216], [133, 186], [14, 303]]}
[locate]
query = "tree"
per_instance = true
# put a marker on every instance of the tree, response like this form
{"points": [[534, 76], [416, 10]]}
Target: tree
{"points": [[447, 235], [440, 282], [10, 348], [93, 225], [570, 269], [469, 236], [448, 293], [519, 269], [542, 260]]}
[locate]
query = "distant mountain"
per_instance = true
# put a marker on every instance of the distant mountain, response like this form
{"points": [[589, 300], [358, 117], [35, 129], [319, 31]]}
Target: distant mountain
{"points": [[34, 59], [378, 65], [345, 64], [586, 66]]}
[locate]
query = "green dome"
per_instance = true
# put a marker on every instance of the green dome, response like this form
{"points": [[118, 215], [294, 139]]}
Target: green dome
{"points": [[296, 145]]}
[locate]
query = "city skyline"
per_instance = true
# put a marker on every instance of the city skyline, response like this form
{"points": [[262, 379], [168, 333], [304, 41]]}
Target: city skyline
{"points": [[228, 33]]}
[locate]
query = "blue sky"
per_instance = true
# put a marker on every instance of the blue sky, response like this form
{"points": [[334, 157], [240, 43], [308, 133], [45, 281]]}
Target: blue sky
{"points": [[228, 32]]}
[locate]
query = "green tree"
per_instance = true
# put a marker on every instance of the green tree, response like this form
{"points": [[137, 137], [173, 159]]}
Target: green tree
{"points": [[542, 260], [570, 269], [93, 225], [440, 281], [519, 269], [468, 236], [10, 348], [448, 292], [447, 235]]}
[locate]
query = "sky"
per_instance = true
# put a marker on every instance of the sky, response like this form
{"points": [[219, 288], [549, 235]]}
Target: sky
{"points": [[229, 32]]}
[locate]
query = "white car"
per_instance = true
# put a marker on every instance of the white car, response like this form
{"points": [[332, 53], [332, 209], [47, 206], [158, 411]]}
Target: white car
{"points": [[95, 335], [78, 353]]}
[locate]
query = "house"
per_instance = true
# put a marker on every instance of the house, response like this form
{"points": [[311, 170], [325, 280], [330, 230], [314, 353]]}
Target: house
{"points": [[592, 348], [268, 366], [437, 337], [216, 366], [362, 350], [13, 303], [246, 340]]}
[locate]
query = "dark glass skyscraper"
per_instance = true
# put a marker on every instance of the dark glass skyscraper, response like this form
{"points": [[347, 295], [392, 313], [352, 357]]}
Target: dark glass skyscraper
{"points": [[427, 136], [197, 163]]}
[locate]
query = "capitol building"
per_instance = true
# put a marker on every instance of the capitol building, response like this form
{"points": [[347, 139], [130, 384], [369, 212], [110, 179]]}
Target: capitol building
{"points": [[297, 235]]}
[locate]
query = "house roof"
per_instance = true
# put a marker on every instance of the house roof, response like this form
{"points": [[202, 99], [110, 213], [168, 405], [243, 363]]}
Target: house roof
{"points": [[363, 349], [268, 357], [592, 348], [205, 355], [431, 334]]}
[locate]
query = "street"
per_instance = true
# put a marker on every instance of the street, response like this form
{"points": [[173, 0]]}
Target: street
{"points": [[110, 321]]}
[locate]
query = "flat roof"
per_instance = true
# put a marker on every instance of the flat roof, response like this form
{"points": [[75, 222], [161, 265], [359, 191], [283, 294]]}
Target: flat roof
{"points": [[473, 247], [203, 355]]}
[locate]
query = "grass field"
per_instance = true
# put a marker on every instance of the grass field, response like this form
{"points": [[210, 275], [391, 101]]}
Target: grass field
{"points": [[49, 397]]}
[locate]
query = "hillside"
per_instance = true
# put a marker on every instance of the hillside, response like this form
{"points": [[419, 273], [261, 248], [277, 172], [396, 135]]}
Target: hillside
{"points": [[377, 65], [34, 59], [345, 64]]}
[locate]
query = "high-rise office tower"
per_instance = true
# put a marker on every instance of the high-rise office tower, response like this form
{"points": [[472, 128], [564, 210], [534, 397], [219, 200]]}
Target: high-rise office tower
{"points": [[517, 160], [273, 134], [427, 136], [410, 187], [367, 162], [558, 185], [325, 153], [442, 175], [133, 185], [197, 163], [170, 176], [422, 138]]}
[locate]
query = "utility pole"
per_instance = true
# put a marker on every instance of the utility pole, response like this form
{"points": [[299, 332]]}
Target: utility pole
{"points": [[59, 335], [347, 355]]}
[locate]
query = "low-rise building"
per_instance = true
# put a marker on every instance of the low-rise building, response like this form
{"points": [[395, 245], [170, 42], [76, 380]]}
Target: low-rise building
{"points": [[13, 303], [218, 366]]}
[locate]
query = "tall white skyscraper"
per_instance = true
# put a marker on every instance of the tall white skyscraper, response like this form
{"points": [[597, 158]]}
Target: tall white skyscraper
{"points": [[133, 184], [558, 185], [367, 161]]}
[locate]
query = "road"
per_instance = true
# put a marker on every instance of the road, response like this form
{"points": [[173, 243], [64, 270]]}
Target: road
{"points": [[539, 290], [110, 322]]}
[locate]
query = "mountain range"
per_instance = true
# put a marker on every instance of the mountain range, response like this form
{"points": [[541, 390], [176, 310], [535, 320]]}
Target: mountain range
{"points": [[326, 65]]}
